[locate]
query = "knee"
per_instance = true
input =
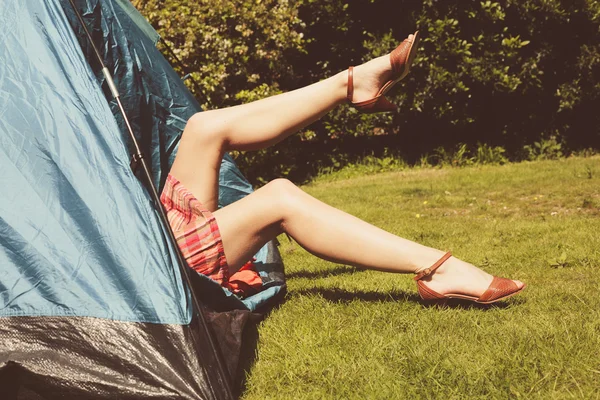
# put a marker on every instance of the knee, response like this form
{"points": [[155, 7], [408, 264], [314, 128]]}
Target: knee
{"points": [[281, 187], [283, 191], [204, 128]]}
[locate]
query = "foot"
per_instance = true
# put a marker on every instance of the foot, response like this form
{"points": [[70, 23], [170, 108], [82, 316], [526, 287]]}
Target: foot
{"points": [[459, 277], [371, 76]]}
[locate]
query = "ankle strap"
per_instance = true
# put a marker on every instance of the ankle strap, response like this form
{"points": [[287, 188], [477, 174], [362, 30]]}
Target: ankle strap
{"points": [[430, 270], [350, 90]]}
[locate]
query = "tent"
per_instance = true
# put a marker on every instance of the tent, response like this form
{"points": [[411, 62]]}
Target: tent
{"points": [[93, 301]]}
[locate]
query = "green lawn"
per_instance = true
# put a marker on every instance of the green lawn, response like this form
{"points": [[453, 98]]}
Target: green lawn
{"points": [[345, 333]]}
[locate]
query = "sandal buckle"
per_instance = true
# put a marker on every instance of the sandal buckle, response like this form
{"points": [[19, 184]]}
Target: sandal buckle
{"points": [[423, 273]]}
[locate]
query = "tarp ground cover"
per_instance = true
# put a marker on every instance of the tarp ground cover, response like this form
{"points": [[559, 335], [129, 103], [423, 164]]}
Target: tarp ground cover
{"points": [[92, 304]]}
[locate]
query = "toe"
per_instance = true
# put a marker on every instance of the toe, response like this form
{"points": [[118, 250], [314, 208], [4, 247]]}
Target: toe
{"points": [[519, 284]]}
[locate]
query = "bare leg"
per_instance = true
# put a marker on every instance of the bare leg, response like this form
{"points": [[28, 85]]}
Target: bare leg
{"points": [[334, 235], [281, 207], [208, 135]]}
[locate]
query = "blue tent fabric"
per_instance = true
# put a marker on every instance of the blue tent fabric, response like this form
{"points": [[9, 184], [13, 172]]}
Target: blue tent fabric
{"points": [[72, 214], [79, 235], [139, 20]]}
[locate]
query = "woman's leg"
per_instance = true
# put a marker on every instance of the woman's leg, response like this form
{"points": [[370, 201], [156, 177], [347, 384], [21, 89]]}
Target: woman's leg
{"points": [[209, 134], [334, 235], [281, 207]]}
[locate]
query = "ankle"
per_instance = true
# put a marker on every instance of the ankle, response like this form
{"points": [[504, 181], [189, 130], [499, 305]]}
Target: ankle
{"points": [[340, 84], [369, 77], [428, 258]]}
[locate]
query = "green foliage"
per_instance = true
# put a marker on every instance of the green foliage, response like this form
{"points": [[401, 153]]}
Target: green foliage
{"points": [[457, 158], [486, 154], [257, 93], [462, 156], [560, 261], [366, 166], [544, 149], [507, 74], [236, 50], [589, 172]]}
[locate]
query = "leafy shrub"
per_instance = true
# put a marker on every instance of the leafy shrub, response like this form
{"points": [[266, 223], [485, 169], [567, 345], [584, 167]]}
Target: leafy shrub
{"points": [[457, 158], [486, 154], [510, 73], [235, 49], [544, 149], [463, 156]]}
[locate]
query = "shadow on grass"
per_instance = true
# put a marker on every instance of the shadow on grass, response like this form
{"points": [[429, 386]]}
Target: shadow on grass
{"points": [[469, 305], [343, 296], [336, 271]]}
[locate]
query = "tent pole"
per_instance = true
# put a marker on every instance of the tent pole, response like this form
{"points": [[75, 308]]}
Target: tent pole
{"points": [[139, 157]]}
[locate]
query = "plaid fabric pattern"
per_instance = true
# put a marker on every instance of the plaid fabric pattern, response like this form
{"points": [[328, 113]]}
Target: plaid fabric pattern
{"points": [[196, 231]]}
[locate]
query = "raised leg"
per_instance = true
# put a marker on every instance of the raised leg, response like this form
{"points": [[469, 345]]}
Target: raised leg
{"points": [[208, 135]]}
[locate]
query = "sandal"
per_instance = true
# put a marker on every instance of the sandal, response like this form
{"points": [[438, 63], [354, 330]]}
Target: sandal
{"points": [[401, 59], [499, 289]]}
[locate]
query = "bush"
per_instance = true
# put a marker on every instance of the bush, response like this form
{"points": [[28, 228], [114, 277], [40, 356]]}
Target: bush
{"points": [[494, 74], [486, 154], [235, 49], [544, 149]]}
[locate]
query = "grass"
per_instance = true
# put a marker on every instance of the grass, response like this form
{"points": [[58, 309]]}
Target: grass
{"points": [[346, 333]]}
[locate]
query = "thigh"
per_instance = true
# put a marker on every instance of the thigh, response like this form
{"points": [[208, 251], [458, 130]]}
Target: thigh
{"points": [[198, 161], [247, 225]]}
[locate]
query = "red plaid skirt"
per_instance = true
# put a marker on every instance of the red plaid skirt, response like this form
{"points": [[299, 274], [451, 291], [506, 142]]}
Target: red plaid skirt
{"points": [[196, 231]]}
